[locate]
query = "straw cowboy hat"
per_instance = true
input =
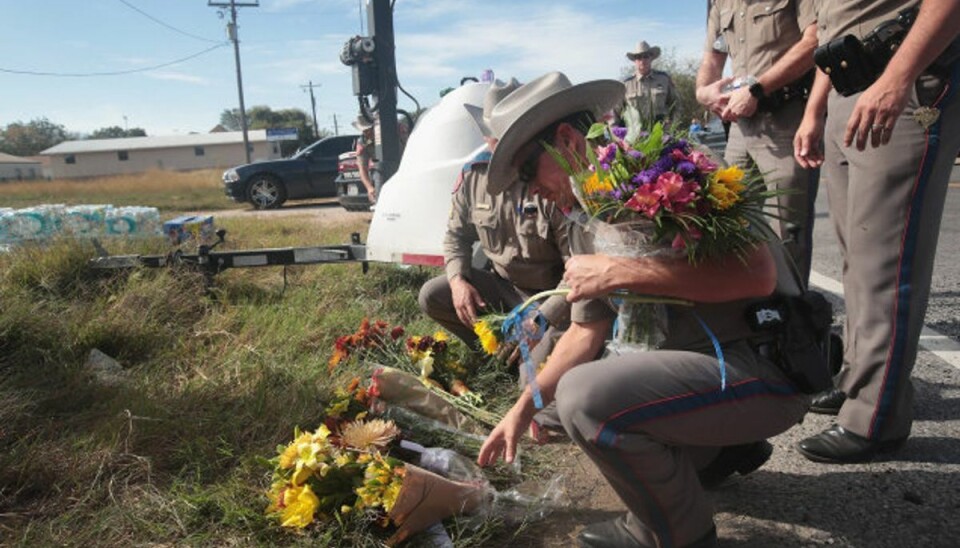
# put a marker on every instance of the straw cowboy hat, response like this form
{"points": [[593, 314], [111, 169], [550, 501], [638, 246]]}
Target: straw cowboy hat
{"points": [[361, 124], [532, 107], [481, 116], [644, 49]]}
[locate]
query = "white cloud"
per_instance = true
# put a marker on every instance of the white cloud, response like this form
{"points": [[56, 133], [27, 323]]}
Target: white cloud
{"points": [[179, 77]]}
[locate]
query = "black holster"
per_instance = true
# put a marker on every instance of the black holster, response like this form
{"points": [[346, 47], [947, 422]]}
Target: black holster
{"points": [[800, 327]]}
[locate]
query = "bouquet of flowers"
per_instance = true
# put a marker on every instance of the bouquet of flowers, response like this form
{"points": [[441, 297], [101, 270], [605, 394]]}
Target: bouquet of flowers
{"points": [[433, 367], [659, 195], [326, 473], [686, 200]]}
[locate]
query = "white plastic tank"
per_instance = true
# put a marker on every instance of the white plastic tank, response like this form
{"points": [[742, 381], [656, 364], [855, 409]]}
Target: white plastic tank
{"points": [[411, 215]]}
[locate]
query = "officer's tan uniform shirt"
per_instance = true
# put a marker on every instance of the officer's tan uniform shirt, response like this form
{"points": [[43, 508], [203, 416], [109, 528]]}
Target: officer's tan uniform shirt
{"points": [[526, 240], [770, 27], [842, 17], [655, 88]]}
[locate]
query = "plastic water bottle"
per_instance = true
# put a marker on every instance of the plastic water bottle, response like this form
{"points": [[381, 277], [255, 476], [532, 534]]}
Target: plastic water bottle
{"points": [[740, 82], [450, 464]]}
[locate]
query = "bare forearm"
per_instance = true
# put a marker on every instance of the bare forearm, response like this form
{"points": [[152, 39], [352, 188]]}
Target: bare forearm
{"points": [[708, 281], [711, 69], [817, 102], [578, 344], [937, 24]]}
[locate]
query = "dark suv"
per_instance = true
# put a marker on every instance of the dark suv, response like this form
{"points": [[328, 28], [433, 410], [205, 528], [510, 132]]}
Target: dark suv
{"points": [[307, 174]]}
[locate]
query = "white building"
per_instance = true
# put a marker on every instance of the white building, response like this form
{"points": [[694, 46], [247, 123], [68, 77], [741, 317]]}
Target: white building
{"points": [[96, 157], [15, 168]]}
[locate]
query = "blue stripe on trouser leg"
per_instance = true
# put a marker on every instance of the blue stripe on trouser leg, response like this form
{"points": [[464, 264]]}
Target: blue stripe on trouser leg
{"points": [[608, 436], [609, 430], [905, 272]]}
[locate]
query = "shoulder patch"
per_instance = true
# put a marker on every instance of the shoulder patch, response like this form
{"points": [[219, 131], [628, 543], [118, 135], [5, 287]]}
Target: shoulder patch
{"points": [[480, 158]]}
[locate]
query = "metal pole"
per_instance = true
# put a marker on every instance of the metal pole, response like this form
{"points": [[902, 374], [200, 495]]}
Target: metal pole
{"points": [[234, 37], [236, 55], [313, 104], [336, 128], [381, 28]]}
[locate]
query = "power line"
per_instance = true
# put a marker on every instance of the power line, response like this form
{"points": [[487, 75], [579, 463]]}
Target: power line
{"points": [[161, 23], [115, 72]]}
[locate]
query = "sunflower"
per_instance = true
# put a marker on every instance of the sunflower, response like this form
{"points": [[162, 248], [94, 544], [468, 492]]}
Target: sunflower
{"points": [[727, 186], [373, 434], [488, 338]]}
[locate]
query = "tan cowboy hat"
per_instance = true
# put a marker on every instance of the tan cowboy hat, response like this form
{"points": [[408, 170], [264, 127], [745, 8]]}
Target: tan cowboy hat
{"points": [[532, 107], [495, 93], [643, 48], [361, 124]]}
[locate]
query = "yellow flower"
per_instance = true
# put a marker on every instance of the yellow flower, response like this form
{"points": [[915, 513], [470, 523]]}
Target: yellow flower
{"points": [[299, 506], [426, 365], [441, 336], [364, 436], [488, 339], [289, 456], [726, 187], [343, 459], [594, 185], [390, 495]]}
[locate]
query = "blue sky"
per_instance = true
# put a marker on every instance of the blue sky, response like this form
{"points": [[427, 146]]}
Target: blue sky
{"points": [[284, 44]]}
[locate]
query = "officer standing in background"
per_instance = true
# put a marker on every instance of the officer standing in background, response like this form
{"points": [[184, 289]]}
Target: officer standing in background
{"points": [[650, 92], [888, 152], [366, 151], [770, 45], [523, 235]]}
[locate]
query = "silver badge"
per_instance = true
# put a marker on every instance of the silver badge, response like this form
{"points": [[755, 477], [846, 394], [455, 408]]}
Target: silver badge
{"points": [[926, 116]]}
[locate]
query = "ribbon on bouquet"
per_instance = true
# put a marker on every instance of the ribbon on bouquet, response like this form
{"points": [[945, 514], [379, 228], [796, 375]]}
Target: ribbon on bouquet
{"points": [[514, 331], [717, 349]]}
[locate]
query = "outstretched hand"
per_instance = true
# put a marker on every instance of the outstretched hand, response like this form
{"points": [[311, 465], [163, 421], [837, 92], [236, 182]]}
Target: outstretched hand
{"points": [[502, 441]]}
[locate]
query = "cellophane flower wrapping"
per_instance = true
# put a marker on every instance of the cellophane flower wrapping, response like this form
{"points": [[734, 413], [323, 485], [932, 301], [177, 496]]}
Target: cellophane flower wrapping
{"points": [[640, 326], [657, 194]]}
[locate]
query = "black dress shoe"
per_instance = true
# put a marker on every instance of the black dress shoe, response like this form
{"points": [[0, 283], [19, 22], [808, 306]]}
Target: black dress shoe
{"points": [[735, 458], [839, 446], [828, 402], [614, 534], [607, 534]]}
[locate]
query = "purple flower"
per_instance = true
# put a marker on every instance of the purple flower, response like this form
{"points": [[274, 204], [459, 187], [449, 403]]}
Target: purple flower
{"points": [[619, 132], [665, 163], [635, 154], [686, 167], [607, 154], [646, 176]]}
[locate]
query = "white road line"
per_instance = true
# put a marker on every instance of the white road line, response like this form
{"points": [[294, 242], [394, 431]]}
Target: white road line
{"points": [[931, 340]]}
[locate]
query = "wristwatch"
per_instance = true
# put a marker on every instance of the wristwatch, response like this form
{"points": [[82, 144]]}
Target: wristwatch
{"points": [[756, 90]]}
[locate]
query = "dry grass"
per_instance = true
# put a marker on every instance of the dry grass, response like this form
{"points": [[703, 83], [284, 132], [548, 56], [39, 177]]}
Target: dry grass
{"points": [[165, 190]]}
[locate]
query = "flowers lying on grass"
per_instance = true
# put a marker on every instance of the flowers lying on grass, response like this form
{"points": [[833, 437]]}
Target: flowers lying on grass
{"points": [[329, 471]]}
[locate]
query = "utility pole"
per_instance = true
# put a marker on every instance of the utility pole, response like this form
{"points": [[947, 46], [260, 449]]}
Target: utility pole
{"points": [[313, 104], [233, 35], [336, 128]]}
